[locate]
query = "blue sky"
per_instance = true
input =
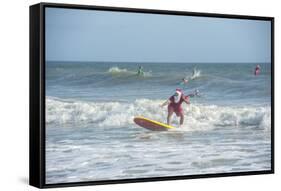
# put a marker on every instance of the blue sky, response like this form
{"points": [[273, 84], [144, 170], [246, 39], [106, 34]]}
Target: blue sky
{"points": [[87, 35]]}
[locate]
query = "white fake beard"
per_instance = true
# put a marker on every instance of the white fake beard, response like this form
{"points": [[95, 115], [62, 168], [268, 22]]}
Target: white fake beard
{"points": [[177, 98]]}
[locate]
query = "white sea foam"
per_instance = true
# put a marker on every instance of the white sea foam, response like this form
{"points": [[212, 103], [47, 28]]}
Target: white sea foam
{"points": [[118, 114], [196, 74], [125, 72], [115, 70]]}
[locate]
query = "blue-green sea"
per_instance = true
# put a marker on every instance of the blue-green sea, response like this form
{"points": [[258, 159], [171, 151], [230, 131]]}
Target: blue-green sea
{"points": [[90, 133]]}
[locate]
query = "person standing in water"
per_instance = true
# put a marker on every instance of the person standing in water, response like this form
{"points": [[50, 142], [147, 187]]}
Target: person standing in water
{"points": [[194, 75], [257, 70], [184, 81], [140, 71], [174, 105]]}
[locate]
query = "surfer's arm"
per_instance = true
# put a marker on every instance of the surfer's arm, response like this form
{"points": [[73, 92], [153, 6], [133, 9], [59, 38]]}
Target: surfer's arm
{"points": [[165, 103], [186, 100]]}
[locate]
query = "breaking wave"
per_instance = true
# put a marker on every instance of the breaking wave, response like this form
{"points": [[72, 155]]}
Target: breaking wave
{"points": [[116, 70], [121, 114], [124, 71], [196, 74]]}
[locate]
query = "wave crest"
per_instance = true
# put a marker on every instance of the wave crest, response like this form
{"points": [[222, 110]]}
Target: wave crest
{"points": [[119, 114], [114, 70], [125, 72], [196, 74]]}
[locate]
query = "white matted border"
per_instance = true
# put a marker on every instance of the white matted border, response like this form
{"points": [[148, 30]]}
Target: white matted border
{"points": [[14, 43]]}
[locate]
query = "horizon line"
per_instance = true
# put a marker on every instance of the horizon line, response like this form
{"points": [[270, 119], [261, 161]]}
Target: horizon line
{"points": [[252, 62]]}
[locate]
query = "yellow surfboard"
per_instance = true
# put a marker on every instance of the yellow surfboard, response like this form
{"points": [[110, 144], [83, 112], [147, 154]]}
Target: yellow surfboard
{"points": [[151, 124]]}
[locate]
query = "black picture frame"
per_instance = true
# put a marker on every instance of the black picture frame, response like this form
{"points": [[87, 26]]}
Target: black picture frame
{"points": [[37, 158]]}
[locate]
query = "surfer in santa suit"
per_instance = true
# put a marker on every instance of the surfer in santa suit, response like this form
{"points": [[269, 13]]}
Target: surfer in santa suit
{"points": [[174, 105]]}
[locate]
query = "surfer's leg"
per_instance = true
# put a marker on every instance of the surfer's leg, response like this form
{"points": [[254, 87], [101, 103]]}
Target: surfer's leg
{"points": [[181, 118], [170, 113], [169, 117]]}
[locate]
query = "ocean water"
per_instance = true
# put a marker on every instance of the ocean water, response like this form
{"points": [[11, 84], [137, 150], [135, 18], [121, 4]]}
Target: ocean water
{"points": [[90, 133]]}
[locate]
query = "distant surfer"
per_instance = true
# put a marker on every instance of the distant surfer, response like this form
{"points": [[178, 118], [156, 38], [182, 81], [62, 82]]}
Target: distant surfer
{"points": [[174, 105], [140, 71], [257, 70], [187, 79], [184, 81]]}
